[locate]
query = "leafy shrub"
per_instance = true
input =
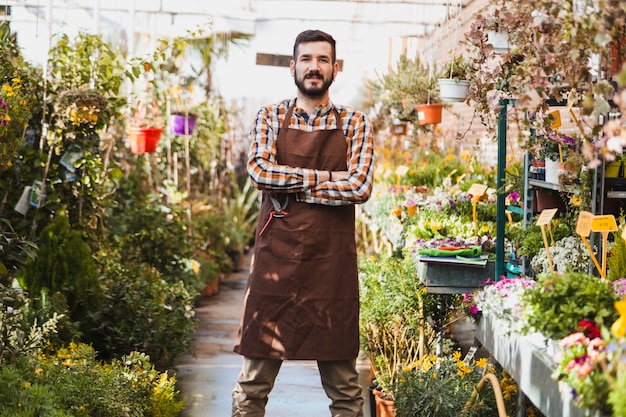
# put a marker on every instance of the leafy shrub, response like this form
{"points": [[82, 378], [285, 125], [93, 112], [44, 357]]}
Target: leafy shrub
{"points": [[394, 307], [442, 387], [20, 334], [64, 264], [143, 312], [71, 382], [556, 304], [151, 234]]}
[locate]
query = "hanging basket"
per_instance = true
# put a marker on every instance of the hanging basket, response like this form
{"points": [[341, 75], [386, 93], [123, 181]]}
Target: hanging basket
{"points": [[181, 124], [144, 139], [453, 90], [429, 114]]}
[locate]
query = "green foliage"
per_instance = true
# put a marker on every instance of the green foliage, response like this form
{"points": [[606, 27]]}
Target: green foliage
{"points": [[532, 240], [442, 387], [19, 333], [17, 97], [616, 397], [455, 68], [14, 251], [64, 264], [157, 236], [616, 257], [72, 383], [556, 304], [394, 307], [143, 312], [241, 212], [399, 91]]}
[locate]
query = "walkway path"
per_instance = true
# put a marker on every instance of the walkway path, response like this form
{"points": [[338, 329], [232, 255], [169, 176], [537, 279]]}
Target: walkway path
{"points": [[207, 378]]}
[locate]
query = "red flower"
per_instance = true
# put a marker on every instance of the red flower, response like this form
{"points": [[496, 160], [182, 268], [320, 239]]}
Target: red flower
{"points": [[589, 328]]}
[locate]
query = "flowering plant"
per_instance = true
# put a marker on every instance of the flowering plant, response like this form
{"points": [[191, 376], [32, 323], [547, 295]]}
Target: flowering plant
{"points": [[502, 301], [557, 303], [581, 364], [553, 146], [568, 253], [442, 386], [16, 100], [81, 109]]}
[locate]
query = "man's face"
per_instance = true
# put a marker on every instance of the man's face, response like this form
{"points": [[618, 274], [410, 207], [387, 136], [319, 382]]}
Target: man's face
{"points": [[313, 70]]}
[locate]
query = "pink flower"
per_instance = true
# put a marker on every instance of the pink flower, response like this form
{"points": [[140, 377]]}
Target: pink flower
{"points": [[573, 339]]}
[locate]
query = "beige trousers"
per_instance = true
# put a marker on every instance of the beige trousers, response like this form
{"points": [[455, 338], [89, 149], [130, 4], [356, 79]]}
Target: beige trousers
{"points": [[340, 381]]}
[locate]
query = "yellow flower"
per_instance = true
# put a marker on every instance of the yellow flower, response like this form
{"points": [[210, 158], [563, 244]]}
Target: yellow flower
{"points": [[482, 362], [456, 356], [619, 327], [195, 266], [38, 371], [26, 384]]}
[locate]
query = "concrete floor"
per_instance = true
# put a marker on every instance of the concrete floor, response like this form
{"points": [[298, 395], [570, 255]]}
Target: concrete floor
{"points": [[207, 377]]}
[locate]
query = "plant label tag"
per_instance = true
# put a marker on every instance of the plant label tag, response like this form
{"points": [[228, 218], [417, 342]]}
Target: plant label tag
{"points": [[604, 223], [583, 226], [402, 170], [477, 190], [545, 216], [557, 119], [23, 205]]}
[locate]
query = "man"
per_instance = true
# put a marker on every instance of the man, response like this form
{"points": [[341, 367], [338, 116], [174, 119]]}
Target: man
{"points": [[313, 161]]}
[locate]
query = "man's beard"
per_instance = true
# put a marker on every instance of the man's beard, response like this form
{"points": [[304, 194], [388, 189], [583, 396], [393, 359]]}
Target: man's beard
{"points": [[316, 92]]}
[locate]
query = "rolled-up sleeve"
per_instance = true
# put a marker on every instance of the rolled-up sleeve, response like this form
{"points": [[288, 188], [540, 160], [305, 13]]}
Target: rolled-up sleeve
{"points": [[266, 174]]}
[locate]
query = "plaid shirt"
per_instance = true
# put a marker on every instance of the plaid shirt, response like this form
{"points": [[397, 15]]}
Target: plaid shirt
{"points": [[266, 174]]}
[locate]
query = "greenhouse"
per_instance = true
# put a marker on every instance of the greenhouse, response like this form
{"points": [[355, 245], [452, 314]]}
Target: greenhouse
{"points": [[354, 208]]}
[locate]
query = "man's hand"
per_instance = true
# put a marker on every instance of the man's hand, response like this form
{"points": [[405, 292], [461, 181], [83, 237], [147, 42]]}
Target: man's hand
{"points": [[336, 175]]}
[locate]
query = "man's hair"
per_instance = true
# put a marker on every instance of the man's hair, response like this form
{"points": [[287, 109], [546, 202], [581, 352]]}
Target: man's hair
{"points": [[315, 36]]}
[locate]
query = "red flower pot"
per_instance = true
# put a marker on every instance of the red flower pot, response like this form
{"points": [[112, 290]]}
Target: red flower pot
{"points": [[144, 139]]}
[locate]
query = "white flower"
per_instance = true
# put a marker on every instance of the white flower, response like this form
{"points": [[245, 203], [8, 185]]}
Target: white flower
{"points": [[568, 253]]}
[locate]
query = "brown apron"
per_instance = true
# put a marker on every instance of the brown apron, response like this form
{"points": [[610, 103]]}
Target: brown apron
{"points": [[302, 299]]}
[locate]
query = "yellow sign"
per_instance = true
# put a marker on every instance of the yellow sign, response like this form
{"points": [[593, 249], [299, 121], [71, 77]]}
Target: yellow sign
{"points": [[477, 190], [545, 216], [583, 227], [557, 119], [605, 223]]}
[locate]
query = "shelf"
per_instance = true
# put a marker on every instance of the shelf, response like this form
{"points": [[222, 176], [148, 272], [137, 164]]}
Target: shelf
{"points": [[530, 365], [549, 185], [616, 194]]}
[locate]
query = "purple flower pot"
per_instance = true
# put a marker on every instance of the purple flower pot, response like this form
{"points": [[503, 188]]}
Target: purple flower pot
{"points": [[177, 122]]}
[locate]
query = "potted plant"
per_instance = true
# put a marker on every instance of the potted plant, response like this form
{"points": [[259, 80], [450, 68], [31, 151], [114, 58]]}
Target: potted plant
{"points": [[405, 91], [556, 304], [182, 120], [146, 123], [453, 82]]}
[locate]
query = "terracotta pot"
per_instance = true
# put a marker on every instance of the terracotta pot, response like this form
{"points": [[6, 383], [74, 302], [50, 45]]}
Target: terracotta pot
{"points": [[429, 113], [384, 407], [178, 122], [144, 139]]}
